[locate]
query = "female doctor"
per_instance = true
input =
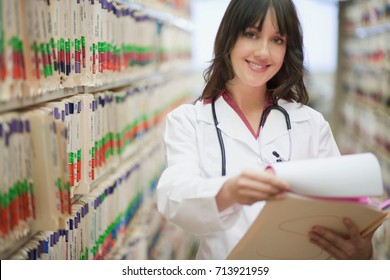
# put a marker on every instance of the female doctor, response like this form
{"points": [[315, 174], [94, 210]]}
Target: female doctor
{"points": [[215, 183]]}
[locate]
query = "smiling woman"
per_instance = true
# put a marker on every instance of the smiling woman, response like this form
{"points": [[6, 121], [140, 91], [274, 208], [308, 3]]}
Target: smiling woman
{"points": [[251, 15], [258, 54], [257, 66]]}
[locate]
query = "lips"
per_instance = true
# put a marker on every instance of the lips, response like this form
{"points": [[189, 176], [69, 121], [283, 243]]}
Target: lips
{"points": [[258, 66]]}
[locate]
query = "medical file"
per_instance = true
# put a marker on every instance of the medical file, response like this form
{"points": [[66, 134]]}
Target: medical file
{"points": [[46, 169], [17, 195], [323, 192], [356, 175]]}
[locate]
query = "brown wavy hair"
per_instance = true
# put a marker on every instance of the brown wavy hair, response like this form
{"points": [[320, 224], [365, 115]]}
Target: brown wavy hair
{"points": [[241, 14]]}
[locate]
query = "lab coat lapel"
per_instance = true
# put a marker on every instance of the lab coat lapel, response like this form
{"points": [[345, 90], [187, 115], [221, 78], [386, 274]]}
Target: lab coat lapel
{"points": [[276, 126], [232, 125]]}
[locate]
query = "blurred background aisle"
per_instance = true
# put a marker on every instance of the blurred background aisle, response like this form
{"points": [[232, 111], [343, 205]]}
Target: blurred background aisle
{"points": [[84, 90]]}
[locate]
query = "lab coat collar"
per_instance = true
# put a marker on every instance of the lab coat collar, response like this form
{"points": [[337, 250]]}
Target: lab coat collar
{"points": [[231, 124], [275, 125]]}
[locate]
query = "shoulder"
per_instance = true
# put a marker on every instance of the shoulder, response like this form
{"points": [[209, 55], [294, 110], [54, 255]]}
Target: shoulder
{"points": [[300, 112], [182, 116], [183, 111], [191, 112]]}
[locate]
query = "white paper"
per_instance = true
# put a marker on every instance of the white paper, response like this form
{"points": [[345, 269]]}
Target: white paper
{"points": [[356, 175]]}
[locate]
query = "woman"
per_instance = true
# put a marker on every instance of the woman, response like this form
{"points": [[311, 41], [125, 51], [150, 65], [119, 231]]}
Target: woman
{"points": [[215, 183]]}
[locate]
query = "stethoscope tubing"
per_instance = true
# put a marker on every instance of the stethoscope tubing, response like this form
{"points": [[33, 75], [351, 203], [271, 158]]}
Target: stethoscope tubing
{"points": [[220, 139], [263, 118]]}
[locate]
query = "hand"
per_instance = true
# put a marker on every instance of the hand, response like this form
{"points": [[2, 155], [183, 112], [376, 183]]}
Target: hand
{"points": [[353, 247], [250, 187]]}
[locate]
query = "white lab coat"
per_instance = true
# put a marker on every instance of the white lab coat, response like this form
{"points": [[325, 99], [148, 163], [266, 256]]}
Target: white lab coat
{"points": [[187, 188]]}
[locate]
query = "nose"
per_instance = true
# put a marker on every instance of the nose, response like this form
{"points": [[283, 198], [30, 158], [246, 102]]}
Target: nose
{"points": [[261, 49]]}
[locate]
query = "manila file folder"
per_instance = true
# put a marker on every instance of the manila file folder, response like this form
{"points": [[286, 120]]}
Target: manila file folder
{"points": [[280, 231]]}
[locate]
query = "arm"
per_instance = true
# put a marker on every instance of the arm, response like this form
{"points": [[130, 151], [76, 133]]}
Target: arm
{"points": [[203, 205], [183, 196], [250, 187]]}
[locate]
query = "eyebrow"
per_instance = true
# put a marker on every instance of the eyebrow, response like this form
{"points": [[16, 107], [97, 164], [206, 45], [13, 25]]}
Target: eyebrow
{"points": [[255, 27]]}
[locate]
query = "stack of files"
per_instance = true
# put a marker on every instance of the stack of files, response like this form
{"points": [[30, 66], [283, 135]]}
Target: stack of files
{"points": [[323, 192]]}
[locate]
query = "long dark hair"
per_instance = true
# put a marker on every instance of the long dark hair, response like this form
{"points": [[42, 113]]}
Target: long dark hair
{"points": [[241, 14]]}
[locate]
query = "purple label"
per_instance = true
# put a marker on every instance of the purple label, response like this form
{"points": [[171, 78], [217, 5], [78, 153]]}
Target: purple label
{"points": [[13, 125], [66, 109], [71, 108], [83, 211], [20, 126], [27, 124], [56, 113], [78, 67], [51, 240]]}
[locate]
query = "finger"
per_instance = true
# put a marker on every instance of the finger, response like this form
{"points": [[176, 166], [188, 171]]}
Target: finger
{"points": [[267, 178], [245, 183], [278, 196], [353, 231], [326, 245], [335, 240], [253, 194], [362, 246]]}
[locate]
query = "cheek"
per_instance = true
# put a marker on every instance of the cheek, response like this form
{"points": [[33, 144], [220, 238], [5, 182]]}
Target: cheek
{"points": [[281, 54], [279, 57]]}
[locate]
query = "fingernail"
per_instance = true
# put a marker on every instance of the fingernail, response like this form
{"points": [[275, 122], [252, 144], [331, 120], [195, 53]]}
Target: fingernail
{"points": [[347, 221], [317, 229]]}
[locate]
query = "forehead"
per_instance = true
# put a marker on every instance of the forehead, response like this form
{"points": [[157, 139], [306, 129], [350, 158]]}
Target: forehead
{"points": [[269, 19], [257, 19]]}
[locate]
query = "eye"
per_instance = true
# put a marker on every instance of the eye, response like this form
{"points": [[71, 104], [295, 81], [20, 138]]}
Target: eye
{"points": [[250, 34], [278, 40]]}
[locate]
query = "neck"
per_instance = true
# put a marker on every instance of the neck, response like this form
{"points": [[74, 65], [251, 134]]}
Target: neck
{"points": [[248, 99]]}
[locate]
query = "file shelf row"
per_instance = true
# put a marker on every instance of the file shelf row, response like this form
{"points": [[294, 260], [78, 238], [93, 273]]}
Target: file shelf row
{"points": [[84, 87], [361, 118], [51, 46], [56, 179]]}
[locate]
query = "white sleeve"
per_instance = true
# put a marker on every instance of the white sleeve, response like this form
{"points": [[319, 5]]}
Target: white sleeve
{"points": [[183, 196], [327, 145]]}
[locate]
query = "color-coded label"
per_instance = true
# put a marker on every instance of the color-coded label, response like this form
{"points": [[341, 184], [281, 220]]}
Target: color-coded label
{"points": [[72, 158], [79, 165]]}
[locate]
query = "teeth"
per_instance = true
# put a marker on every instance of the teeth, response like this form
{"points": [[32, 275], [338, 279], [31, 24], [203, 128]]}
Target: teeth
{"points": [[257, 67]]}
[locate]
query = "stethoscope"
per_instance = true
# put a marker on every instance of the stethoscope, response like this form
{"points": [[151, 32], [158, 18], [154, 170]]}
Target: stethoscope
{"points": [[264, 116]]}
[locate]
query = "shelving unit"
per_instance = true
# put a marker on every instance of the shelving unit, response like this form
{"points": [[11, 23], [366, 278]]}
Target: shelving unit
{"points": [[362, 101], [80, 126]]}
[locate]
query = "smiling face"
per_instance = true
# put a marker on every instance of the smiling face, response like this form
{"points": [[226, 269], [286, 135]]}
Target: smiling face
{"points": [[258, 54]]}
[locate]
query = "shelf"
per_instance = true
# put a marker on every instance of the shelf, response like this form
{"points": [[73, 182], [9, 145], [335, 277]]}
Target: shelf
{"points": [[147, 141], [144, 76], [369, 68], [66, 92], [41, 98], [17, 245], [370, 104], [368, 31], [18, 104], [163, 16]]}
